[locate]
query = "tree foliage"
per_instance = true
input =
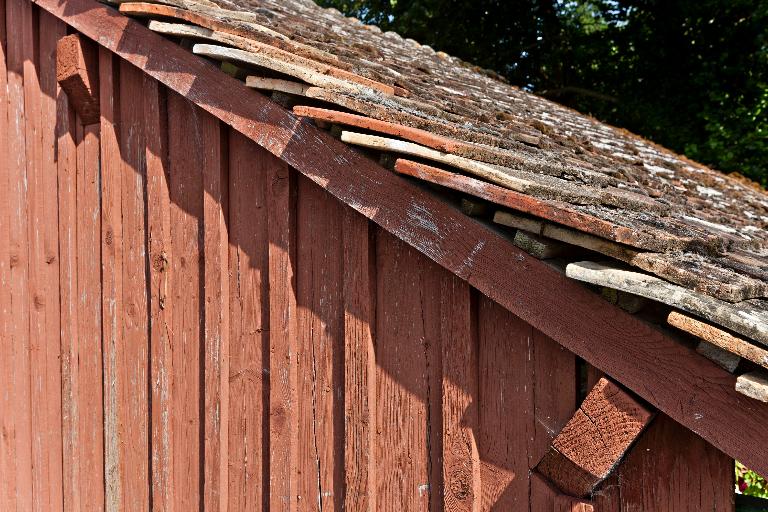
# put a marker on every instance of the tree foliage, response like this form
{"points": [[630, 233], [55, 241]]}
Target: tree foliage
{"points": [[690, 75]]}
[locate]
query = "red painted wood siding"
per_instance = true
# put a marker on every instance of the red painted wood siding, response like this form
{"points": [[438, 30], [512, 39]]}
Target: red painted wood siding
{"points": [[187, 323]]}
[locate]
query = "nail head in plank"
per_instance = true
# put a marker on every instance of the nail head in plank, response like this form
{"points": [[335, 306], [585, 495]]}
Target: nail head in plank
{"points": [[77, 73]]}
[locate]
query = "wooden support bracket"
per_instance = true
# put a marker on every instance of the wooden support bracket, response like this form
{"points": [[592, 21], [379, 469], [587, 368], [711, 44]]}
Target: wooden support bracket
{"points": [[593, 442], [77, 73]]}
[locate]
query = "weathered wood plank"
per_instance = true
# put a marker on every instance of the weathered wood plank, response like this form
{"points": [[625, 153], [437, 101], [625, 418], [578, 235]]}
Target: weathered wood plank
{"points": [[754, 385], [19, 21], [236, 31], [546, 187], [283, 331], [555, 211], [430, 139], [538, 246], [671, 468], [507, 405], [89, 441], [460, 396], [359, 364], [132, 354], [185, 145], [408, 424], [248, 455], [319, 277], [741, 318], [545, 498], [263, 55], [111, 270], [552, 302], [216, 313], [719, 337], [7, 421], [66, 167], [594, 440], [554, 382], [693, 271], [159, 250], [276, 84], [46, 366], [726, 360], [77, 74]]}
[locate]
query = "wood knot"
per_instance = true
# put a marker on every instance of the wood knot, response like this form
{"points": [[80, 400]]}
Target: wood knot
{"points": [[159, 262], [14, 260], [39, 301], [460, 485], [109, 236]]}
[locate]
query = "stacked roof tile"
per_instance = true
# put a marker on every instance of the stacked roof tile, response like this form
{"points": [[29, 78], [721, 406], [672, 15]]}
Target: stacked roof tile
{"points": [[549, 169]]}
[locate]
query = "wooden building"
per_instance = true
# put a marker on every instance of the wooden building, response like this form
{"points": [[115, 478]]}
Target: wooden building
{"points": [[209, 302]]}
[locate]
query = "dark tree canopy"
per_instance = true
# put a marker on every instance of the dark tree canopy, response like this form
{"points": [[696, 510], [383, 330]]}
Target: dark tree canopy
{"points": [[690, 75]]}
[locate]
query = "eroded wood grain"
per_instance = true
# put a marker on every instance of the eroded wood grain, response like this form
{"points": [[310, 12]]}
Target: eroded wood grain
{"points": [[359, 364], [215, 297], [460, 398], [160, 254], [247, 453], [283, 331], [408, 418], [46, 388], [506, 425], [185, 145], [320, 309]]}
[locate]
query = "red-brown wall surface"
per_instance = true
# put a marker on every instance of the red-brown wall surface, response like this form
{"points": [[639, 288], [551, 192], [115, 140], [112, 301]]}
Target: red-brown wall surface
{"points": [[188, 324]]}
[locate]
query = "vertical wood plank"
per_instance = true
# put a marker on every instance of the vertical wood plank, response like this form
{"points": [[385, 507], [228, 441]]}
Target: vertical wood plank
{"points": [[555, 393], [216, 314], [607, 497], [159, 247], [7, 421], [359, 364], [671, 468], [461, 458], [282, 335], [47, 261], [320, 318], [186, 193], [66, 167], [19, 21], [249, 325], [111, 271], [408, 425], [506, 402], [89, 442], [133, 347], [36, 284], [546, 498]]}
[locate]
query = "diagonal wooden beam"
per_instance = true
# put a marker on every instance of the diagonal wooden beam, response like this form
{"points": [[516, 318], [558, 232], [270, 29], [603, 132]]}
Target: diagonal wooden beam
{"points": [[689, 388], [593, 442]]}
